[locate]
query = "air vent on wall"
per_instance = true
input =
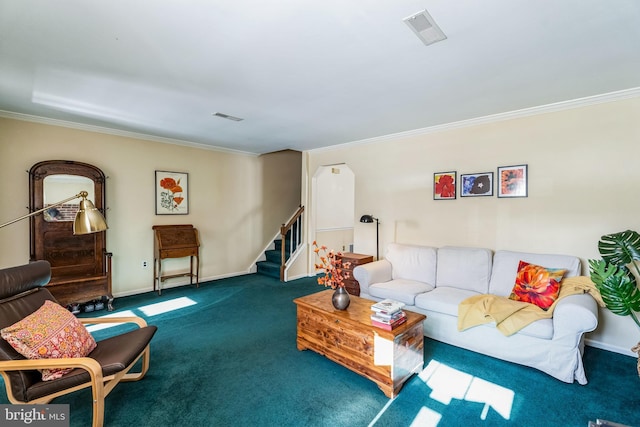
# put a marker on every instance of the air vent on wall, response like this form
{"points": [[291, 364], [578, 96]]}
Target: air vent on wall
{"points": [[425, 27], [228, 117]]}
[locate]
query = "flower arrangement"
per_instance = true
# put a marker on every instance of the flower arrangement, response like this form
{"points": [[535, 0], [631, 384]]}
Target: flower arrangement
{"points": [[331, 264]]}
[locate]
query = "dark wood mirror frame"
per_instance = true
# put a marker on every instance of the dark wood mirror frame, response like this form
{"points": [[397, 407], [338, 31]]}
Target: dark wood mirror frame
{"points": [[80, 264]]}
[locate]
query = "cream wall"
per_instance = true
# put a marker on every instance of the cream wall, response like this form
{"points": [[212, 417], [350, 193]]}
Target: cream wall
{"points": [[237, 202], [583, 183], [282, 184]]}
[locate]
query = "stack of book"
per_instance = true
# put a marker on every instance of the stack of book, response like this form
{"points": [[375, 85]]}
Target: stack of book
{"points": [[388, 314]]}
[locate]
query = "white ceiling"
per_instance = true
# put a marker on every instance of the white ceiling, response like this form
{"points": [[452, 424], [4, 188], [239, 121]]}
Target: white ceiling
{"points": [[305, 74]]}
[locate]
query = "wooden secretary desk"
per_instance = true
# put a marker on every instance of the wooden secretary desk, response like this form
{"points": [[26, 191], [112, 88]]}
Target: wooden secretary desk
{"points": [[175, 241]]}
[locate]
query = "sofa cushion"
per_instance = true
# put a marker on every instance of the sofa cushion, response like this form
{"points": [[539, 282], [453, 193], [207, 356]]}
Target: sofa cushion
{"points": [[542, 329], [537, 285], [464, 268], [443, 300], [505, 268], [412, 262], [402, 290]]}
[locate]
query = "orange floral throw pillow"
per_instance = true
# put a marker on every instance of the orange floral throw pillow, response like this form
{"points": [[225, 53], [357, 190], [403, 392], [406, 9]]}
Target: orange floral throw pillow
{"points": [[51, 332], [537, 285]]}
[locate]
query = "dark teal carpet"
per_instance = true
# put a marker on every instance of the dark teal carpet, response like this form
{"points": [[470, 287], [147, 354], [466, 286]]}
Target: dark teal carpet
{"points": [[230, 359]]}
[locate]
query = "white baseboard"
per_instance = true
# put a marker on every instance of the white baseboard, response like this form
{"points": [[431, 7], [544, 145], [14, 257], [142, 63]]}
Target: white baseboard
{"points": [[176, 284], [609, 347], [297, 276]]}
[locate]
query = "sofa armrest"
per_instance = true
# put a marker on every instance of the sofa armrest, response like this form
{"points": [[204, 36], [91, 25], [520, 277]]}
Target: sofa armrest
{"points": [[370, 273], [575, 315]]}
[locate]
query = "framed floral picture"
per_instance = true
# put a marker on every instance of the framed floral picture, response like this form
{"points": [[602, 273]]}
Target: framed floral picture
{"points": [[476, 184], [512, 181], [444, 185], [172, 193]]}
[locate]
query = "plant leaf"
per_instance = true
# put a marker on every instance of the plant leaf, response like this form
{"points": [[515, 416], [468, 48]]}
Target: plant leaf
{"points": [[620, 248], [617, 287]]}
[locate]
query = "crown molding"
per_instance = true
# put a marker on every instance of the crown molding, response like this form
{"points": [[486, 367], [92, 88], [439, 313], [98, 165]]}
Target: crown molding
{"points": [[117, 132], [525, 112], [493, 118]]}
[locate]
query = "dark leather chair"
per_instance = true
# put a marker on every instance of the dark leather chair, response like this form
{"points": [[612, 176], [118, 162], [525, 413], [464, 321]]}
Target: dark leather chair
{"points": [[22, 292]]}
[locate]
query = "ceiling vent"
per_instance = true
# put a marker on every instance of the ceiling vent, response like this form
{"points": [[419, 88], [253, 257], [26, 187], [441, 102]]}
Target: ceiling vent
{"points": [[228, 117], [425, 27]]}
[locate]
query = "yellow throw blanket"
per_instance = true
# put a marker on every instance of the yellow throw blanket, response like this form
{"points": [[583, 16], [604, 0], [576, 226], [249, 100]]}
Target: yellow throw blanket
{"points": [[510, 316]]}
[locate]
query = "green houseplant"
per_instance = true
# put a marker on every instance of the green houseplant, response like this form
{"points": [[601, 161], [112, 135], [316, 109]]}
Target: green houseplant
{"points": [[614, 278]]}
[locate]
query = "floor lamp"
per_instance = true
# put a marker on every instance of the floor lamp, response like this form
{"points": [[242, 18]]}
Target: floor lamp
{"points": [[88, 219], [369, 219]]}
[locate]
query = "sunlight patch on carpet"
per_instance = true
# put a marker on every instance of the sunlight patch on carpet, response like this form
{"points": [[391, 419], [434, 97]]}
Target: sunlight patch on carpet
{"points": [[101, 326], [148, 310], [167, 306], [447, 383], [426, 418]]}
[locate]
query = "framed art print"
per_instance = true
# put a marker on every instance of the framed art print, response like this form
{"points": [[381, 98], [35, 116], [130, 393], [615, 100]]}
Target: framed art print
{"points": [[444, 185], [172, 193], [512, 181], [476, 184]]}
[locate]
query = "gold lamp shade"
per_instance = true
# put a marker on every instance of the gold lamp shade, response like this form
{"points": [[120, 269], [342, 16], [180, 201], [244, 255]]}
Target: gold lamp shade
{"points": [[88, 219]]}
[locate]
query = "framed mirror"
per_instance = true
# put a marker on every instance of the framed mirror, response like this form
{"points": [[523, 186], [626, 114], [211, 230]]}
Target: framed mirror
{"points": [[59, 187], [80, 264]]}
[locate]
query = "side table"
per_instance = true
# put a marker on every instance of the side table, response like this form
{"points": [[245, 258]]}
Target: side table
{"points": [[350, 284]]}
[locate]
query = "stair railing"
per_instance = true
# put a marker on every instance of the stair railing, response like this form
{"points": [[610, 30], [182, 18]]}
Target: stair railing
{"points": [[294, 229]]}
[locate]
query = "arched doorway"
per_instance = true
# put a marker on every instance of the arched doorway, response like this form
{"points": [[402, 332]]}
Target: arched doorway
{"points": [[333, 190]]}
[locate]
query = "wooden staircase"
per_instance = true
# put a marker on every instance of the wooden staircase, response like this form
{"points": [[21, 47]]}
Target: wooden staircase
{"points": [[290, 240], [271, 266]]}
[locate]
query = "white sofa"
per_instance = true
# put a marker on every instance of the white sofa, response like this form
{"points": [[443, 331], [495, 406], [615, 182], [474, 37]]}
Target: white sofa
{"points": [[434, 281]]}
